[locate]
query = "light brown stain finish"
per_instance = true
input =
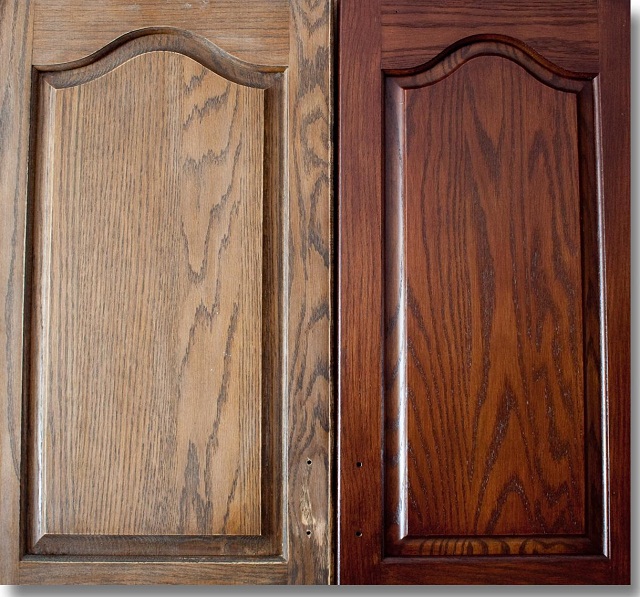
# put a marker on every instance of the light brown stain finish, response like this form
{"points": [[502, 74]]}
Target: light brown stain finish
{"points": [[16, 28], [170, 418], [256, 31], [150, 291]]}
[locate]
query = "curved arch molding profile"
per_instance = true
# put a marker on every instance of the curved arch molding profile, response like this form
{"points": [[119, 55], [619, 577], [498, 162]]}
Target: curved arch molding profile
{"points": [[181, 296], [482, 437], [493, 347], [175, 421]]}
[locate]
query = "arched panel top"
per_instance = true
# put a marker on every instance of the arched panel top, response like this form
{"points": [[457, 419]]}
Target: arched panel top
{"points": [[163, 180], [488, 178], [456, 55], [147, 40]]}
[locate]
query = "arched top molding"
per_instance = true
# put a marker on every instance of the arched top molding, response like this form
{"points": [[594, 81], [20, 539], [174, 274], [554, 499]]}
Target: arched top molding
{"points": [[461, 52], [143, 41]]}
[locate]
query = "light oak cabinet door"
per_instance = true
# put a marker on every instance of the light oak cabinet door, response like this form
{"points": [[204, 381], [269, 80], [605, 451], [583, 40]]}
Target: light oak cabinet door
{"points": [[484, 291], [165, 270]]}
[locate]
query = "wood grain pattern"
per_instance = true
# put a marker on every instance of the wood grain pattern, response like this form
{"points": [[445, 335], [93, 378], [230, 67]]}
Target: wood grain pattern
{"points": [[15, 51], [310, 314], [68, 30], [409, 541], [614, 93], [499, 570], [564, 31], [493, 314], [275, 73], [402, 353], [147, 341], [182, 572], [360, 331]]}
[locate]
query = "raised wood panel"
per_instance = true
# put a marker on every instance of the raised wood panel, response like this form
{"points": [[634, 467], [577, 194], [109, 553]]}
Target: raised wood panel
{"points": [[563, 31], [488, 212], [151, 290], [69, 30], [137, 397], [166, 184], [478, 419]]}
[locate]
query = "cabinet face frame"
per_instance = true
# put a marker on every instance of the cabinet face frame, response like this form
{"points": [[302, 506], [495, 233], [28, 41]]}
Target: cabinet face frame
{"points": [[296, 546], [370, 56]]}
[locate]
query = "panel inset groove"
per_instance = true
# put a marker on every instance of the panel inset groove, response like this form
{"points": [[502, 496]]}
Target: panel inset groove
{"points": [[165, 39], [492, 324], [157, 335]]}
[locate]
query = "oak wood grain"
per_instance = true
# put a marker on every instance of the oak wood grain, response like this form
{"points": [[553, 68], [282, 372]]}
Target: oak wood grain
{"points": [[289, 260], [594, 540], [494, 363], [310, 320], [360, 331], [68, 30], [376, 544], [615, 183], [564, 31], [400, 307], [16, 23], [147, 341], [37, 571], [498, 570]]}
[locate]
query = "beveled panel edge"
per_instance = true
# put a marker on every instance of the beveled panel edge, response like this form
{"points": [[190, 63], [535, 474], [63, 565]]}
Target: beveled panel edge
{"points": [[167, 39], [457, 54], [477, 546], [272, 540], [585, 87], [208, 547], [595, 343], [275, 248]]}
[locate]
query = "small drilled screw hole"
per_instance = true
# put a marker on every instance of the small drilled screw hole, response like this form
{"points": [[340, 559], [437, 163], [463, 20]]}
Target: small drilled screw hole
{"points": [[308, 533], [359, 464], [358, 533], [308, 461]]}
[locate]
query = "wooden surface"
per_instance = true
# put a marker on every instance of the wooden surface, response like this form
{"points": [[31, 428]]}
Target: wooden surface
{"points": [[15, 49], [563, 31], [149, 572], [473, 351], [444, 347], [493, 315], [616, 220], [68, 30], [310, 320], [179, 246], [148, 290], [360, 338]]}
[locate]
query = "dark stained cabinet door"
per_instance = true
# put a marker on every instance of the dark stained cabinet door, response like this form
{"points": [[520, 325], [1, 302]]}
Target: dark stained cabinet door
{"points": [[165, 273], [484, 292]]}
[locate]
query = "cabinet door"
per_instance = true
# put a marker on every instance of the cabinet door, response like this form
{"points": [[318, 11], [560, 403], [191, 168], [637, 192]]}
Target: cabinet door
{"points": [[484, 291], [165, 288]]}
